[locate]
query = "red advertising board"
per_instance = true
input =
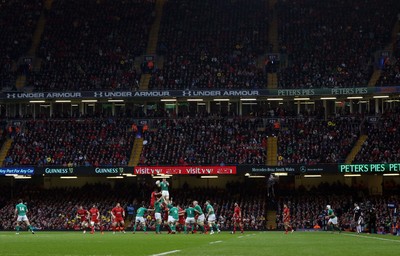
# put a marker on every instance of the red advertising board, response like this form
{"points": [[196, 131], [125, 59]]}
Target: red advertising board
{"points": [[185, 170]]}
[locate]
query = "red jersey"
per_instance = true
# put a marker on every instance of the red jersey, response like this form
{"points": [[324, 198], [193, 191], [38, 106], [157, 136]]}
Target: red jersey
{"points": [[237, 213], [82, 213], [153, 198], [94, 213], [181, 217], [118, 212], [286, 215]]}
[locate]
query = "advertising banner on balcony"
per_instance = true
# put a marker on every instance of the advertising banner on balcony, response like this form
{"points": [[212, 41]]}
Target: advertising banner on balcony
{"points": [[369, 168], [185, 170], [82, 171], [16, 171]]}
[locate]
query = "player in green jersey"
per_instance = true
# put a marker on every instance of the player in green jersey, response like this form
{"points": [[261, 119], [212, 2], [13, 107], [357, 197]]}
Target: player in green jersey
{"points": [[164, 185], [200, 217], [158, 213], [190, 221], [211, 218], [139, 220], [332, 219], [173, 217], [20, 213]]}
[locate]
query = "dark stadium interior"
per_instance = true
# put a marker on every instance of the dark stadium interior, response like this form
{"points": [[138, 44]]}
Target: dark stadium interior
{"points": [[300, 97]]}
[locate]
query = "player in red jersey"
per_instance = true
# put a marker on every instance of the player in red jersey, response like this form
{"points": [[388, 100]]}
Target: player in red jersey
{"points": [[182, 219], [83, 216], [154, 196], [286, 219], [118, 215], [237, 219], [95, 219]]}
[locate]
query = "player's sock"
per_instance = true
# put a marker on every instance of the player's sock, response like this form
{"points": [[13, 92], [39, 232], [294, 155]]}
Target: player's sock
{"points": [[234, 228], [158, 228], [134, 228], [17, 228], [215, 226], [185, 228], [211, 228], [30, 228], [145, 228]]}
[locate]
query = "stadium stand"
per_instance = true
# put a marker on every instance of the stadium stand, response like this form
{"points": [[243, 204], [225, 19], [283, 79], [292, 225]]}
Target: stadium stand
{"points": [[204, 141], [332, 43], [73, 142], [110, 35], [211, 45], [312, 141], [18, 21]]}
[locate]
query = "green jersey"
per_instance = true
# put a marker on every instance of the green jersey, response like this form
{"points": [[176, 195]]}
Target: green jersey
{"points": [[21, 209], [198, 209], [141, 211], [330, 212], [164, 186], [209, 209], [174, 212], [157, 207], [189, 212]]}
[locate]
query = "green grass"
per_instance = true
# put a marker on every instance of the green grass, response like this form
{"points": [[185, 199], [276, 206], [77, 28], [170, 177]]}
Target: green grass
{"points": [[251, 243]]}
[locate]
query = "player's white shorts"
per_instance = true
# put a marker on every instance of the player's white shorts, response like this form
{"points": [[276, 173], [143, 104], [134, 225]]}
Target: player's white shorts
{"points": [[157, 216], [171, 219], [22, 218], [200, 218], [140, 219], [165, 193], [190, 220], [333, 221], [211, 218]]}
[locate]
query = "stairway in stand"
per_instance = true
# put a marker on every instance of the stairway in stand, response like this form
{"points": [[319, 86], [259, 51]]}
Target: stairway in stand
{"points": [[153, 42], [273, 41], [357, 147], [272, 151], [36, 38], [4, 150], [136, 152]]}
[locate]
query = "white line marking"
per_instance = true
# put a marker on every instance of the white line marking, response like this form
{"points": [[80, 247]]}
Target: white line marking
{"points": [[373, 237], [165, 253], [216, 242], [240, 237]]}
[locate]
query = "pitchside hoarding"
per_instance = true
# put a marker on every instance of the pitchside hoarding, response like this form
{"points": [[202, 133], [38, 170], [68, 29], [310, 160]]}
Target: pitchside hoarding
{"points": [[185, 170]]}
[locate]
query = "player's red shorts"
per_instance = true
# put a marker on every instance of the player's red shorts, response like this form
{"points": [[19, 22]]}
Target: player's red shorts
{"points": [[118, 219], [181, 221], [95, 220], [152, 203], [237, 219], [83, 219]]}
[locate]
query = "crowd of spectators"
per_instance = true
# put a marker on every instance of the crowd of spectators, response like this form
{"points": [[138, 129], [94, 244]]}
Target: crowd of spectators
{"points": [[390, 74], [211, 45], [308, 211], [55, 209], [382, 144], [313, 141], [18, 21], [92, 45], [204, 141], [332, 43], [72, 142]]}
